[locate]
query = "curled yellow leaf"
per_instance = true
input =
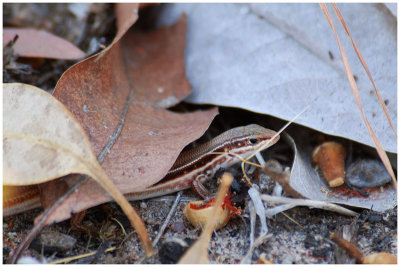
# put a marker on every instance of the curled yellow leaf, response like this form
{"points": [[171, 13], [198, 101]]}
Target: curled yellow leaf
{"points": [[41, 138], [42, 141]]}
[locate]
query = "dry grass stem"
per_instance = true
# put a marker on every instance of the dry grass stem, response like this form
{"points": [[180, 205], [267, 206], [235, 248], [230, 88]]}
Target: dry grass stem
{"points": [[308, 202]]}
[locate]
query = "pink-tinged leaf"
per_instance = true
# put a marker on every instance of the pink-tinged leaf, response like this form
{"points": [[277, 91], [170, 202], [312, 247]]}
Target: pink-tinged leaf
{"points": [[41, 44], [149, 67]]}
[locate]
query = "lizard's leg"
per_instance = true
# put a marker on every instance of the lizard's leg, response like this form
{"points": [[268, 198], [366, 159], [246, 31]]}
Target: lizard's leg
{"points": [[199, 188]]}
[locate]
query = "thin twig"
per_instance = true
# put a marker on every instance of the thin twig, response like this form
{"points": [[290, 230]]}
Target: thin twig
{"points": [[310, 203], [253, 217], [259, 208], [169, 216], [77, 257]]}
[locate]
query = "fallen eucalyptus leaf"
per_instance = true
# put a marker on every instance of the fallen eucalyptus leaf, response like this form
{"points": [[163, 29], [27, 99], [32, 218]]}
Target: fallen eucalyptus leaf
{"points": [[137, 72], [277, 58], [41, 138], [42, 141], [41, 44]]}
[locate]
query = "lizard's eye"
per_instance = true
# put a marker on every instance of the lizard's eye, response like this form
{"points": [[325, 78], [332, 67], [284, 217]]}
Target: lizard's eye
{"points": [[253, 140]]}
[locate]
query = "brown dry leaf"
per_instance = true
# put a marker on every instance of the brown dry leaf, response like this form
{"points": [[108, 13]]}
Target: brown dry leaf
{"points": [[143, 5], [127, 15], [41, 44], [42, 141], [143, 73]]}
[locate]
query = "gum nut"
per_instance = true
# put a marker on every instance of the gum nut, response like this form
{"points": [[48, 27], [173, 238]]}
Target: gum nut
{"points": [[199, 217], [330, 159], [380, 258]]}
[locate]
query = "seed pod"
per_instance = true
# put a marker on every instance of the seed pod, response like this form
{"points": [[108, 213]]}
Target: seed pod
{"points": [[199, 216], [330, 159]]}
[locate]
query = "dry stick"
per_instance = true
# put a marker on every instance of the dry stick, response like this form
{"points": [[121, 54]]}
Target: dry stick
{"points": [[347, 246], [170, 214], [271, 212], [259, 208], [253, 217], [292, 220], [165, 224], [353, 85], [361, 58], [68, 259], [41, 223], [310, 203]]}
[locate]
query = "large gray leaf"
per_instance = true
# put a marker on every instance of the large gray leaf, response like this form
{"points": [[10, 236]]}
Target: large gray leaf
{"points": [[277, 58]]}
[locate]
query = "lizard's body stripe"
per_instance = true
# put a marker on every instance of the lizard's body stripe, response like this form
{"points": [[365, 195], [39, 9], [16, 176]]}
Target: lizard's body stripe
{"points": [[191, 164]]}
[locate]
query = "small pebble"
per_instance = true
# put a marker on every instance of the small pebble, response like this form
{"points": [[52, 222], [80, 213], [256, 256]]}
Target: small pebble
{"points": [[178, 227], [53, 242], [367, 173]]}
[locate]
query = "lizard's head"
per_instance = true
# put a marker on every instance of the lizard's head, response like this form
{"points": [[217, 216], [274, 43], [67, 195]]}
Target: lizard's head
{"points": [[245, 140]]}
